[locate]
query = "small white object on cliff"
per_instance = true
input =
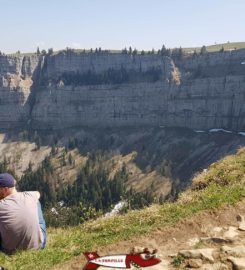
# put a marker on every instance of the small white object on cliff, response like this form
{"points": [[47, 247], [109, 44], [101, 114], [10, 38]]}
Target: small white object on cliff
{"points": [[220, 129], [199, 131]]}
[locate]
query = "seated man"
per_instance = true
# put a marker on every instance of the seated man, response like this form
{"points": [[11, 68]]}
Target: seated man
{"points": [[21, 221]]}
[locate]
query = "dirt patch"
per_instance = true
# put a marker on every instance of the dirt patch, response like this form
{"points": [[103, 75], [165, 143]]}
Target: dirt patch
{"points": [[170, 240]]}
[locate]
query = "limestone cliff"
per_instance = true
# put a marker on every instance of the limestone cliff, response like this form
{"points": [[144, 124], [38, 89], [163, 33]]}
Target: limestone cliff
{"points": [[199, 92], [16, 80]]}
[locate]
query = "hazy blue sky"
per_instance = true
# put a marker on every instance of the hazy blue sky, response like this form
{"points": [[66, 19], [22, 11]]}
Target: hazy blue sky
{"points": [[114, 24]]}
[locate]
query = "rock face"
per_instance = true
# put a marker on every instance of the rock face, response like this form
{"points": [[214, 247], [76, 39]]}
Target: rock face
{"points": [[198, 92], [16, 80], [99, 62]]}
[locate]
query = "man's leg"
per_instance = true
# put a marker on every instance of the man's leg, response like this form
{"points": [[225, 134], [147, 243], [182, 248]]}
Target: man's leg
{"points": [[42, 223]]}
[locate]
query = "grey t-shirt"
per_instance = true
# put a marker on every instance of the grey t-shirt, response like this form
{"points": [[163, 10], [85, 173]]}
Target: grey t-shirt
{"points": [[19, 224]]}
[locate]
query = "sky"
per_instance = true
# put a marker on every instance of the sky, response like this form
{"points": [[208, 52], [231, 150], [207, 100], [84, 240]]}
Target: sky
{"points": [[116, 24]]}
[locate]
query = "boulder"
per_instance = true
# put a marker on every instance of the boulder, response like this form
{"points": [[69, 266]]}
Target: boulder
{"points": [[215, 266], [238, 263], [194, 263], [241, 222], [205, 254], [231, 234], [237, 251]]}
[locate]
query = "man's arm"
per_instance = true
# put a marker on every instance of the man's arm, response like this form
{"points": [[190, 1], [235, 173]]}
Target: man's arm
{"points": [[0, 242], [35, 194], [38, 194]]}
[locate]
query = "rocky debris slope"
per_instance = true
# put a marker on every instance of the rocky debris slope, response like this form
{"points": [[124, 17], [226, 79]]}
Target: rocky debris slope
{"points": [[226, 249], [158, 157]]}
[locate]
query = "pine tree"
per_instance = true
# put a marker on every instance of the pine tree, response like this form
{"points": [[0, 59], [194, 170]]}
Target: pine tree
{"points": [[222, 49], [135, 51], [163, 50], [70, 159], [203, 50]]}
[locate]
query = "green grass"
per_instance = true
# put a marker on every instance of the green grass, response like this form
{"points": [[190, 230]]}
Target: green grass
{"points": [[21, 54], [214, 48], [178, 260], [227, 46], [65, 244]]}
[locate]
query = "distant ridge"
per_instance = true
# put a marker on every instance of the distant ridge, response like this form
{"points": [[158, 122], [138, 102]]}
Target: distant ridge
{"points": [[216, 47], [210, 48]]}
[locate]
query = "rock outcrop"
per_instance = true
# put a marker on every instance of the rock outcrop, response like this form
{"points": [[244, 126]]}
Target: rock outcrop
{"points": [[16, 80], [216, 256], [199, 92]]}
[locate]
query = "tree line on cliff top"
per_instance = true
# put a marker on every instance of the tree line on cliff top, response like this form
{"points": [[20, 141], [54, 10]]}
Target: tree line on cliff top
{"points": [[175, 53]]}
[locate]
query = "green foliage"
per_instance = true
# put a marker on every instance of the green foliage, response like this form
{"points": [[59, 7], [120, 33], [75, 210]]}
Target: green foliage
{"points": [[37, 140], [177, 53], [63, 216], [88, 212], [4, 167], [138, 200], [72, 143], [63, 159], [222, 49], [91, 193], [70, 159], [124, 51], [53, 151], [58, 216], [135, 52], [200, 244], [40, 180], [50, 51], [203, 50], [93, 187], [164, 51], [178, 260], [225, 172], [111, 76]]}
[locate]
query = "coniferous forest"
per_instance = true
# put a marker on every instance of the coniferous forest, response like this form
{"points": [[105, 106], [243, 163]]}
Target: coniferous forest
{"points": [[111, 76], [92, 194]]}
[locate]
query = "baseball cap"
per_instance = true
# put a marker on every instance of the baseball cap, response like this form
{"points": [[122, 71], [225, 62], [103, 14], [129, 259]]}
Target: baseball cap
{"points": [[7, 180]]}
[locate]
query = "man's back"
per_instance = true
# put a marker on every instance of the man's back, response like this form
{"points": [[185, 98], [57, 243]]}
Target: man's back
{"points": [[19, 222]]}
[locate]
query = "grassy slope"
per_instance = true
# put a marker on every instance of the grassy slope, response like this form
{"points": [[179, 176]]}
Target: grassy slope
{"points": [[227, 46], [214, 48], [222, 184]]}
